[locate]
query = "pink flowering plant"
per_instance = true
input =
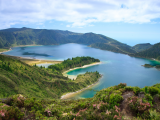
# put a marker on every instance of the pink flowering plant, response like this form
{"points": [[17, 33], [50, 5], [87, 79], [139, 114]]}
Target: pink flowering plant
{"points": [[138, 105]]}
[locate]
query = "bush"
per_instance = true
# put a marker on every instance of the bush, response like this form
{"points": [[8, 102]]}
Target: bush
{"points": [[148, 97], [154, 115], [129, 88], [136, 90], [115, 99], [146, 89], [153, 90], [121, 85], [138, 106], [11, 113]]}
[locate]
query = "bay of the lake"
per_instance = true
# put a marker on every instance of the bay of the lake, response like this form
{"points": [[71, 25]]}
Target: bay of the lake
{"points": [[116, 68]]}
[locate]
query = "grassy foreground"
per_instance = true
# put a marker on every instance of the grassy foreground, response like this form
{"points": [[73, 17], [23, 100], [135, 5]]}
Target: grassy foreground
{"points": [[117, 102]]}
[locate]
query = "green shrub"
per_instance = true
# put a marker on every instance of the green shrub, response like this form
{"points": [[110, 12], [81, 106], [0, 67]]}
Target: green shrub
{"points": [[146, 89], [136, 90], [12, 113], [154, 115], [129, 88], [153, 90], [138, 105], [148, 97], [115, 99], [121, 85]]}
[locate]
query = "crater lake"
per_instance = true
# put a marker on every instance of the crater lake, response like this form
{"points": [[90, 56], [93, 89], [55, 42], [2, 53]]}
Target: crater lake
{"points": [[116, 68]]}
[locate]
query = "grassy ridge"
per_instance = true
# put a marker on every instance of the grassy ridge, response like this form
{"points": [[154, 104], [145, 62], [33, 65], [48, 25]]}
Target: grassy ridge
{"points": [[32, 81]]}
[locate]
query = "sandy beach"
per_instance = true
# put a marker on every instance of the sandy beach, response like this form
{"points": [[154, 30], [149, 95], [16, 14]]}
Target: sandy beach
{"points": [[72, 94], [32, 61], [74, 76]]}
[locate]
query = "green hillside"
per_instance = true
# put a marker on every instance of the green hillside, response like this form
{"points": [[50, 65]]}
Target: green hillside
{"points": [[153, 52], [17, 77], [142, 47]]}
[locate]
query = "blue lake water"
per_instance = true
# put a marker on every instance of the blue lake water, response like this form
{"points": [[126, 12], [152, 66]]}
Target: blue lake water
{"points": [[116, 68]]}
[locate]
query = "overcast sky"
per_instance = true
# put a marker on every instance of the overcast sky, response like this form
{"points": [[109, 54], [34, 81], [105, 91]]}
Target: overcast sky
{"points": [[128, 21]]}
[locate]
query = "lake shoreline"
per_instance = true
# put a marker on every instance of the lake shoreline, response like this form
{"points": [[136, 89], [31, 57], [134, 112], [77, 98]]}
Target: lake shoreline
{"points": [[71, 94], [85, 66], [6, 51], [32, 61]]}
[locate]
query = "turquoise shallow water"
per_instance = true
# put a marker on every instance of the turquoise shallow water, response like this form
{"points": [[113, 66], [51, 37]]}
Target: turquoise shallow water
{"points": [[116, 68]]}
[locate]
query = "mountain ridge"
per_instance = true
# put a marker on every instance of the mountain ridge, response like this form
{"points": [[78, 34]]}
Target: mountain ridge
{"points": [[27, 36]]}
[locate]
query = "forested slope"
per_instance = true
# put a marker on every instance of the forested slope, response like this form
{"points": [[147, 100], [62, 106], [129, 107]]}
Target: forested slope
{"points": [[153, 52], [119, 48], [142, 47]]}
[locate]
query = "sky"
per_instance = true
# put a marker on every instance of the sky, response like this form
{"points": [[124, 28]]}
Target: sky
{"points": [[128, 21]]}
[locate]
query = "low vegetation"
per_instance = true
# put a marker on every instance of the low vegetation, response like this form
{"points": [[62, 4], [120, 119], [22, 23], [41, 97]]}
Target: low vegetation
{"points": [[117, 102]]}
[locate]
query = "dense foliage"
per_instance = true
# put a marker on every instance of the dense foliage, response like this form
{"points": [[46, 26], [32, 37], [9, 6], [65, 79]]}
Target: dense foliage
{"points": [[117, 102], [142, 47], [119, 48], [153, 52], [17, 77], [72, 63]]}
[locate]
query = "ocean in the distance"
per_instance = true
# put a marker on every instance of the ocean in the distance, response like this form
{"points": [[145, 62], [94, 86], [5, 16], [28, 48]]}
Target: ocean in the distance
{"points": [[116, 68]]}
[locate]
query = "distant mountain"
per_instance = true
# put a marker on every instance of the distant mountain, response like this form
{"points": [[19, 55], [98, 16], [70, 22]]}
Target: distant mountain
{"points": [[27, 36], [142, 47], [153, 52]]}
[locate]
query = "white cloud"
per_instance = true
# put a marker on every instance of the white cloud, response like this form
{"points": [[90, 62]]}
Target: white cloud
{"points": [[79, 13], [68, 26]]}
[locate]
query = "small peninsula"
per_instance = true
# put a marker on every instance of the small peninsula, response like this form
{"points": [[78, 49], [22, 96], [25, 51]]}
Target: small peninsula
{"points": [[151, 66]]}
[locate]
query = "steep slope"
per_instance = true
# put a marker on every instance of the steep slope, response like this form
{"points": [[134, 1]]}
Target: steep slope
{"points": [[114, 47], [17, 77], [142, 47], [153, 52]]}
